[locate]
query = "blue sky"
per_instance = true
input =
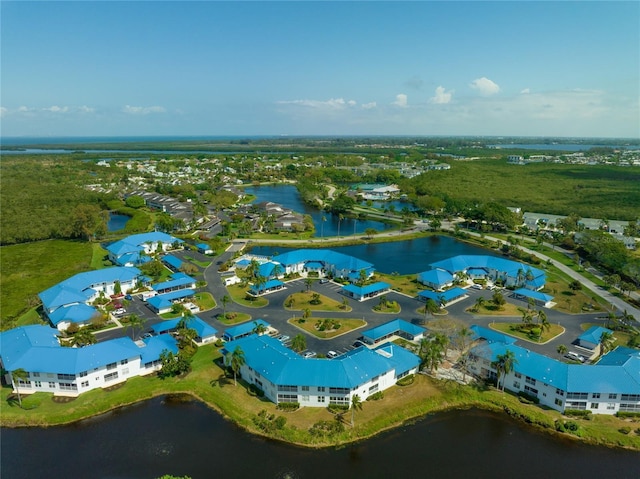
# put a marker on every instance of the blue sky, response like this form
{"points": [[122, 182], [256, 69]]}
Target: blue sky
{"points": [[320, 68]]}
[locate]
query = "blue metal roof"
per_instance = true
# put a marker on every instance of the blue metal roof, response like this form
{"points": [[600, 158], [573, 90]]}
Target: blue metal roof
{"points": [[438, 277], [154, 347], [17, 342], [593, 334], [77, 313], [78, 288], [203, 329], [537, 295], [179, 279], [282, 366], [163, 301], [465, 262], [203, 246], [244, 328], [391, 327], [368, 289], [313, 265], [173, 261], [272, 283], [134, 244], [339, 260]]}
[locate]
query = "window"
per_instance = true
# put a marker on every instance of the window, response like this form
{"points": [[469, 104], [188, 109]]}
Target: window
{"points": [[338, 400], [559, 392], [373, 388], [24, 384], [320, 398], [287, 397], [35, 375], [320, 389], [611, 406], [293, 389], [85, 384], [339, 390], [111, 366], [38, 384], [52, 385], [530, 380], [305, 397], [531, 390], [613, 396], [67, 377], [629, 407], [630, 397], [595, 395], [516, 384], [558, 402], [305, 388], [124, 361], [518, 375], [111, 376], [68, 387], [577, 395], [125, 372], [580, 405], [594, 405], [83, 374]]}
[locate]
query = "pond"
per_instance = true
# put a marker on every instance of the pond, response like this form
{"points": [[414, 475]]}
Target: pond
{"points": [[402, 257], [117, 222], [186, 438], [288, 196]]}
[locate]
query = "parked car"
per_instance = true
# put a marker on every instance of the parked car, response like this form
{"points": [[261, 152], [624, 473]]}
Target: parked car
{"points": [[309, 354], [120, 311], [575, 356], [128, 297], [283, 337], [324, 280], [332, 354], [147, 335], [357, 344], [476, 286]]}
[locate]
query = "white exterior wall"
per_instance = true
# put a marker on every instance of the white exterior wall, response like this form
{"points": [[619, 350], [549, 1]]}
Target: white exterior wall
{"points": [[52, 383]]}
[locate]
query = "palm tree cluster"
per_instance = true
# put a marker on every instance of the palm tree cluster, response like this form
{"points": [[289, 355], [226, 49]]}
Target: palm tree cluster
{"points": [[503, 365], [433, 350]]}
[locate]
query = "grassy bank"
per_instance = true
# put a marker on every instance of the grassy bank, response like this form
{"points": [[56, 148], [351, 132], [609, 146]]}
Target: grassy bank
{"points": [[399, 406]]}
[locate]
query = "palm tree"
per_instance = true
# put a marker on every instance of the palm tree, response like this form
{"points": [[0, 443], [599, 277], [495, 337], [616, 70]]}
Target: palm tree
{"points": [[135, 323], [430, 307], [463, 341], [259, 328], [236, 360], [480, 302], [252, 269], [224, 300], [299, 343], [432, 350], [606, 342], [542, 320], [323, 219], [504, 364], [562, 349], [83, 337], [356, 404], [340, 218], [308, 282], [498, 299], [18, 375]]}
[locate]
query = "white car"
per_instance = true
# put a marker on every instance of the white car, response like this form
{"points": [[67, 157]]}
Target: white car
{"points": [[332, 354], [120, 311], [476, 286], [309, 354]]}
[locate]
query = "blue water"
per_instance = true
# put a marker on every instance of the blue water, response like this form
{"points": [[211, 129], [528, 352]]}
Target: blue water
{"points": [[560, 146], [117, 222], [402, 257], [288, 196]]}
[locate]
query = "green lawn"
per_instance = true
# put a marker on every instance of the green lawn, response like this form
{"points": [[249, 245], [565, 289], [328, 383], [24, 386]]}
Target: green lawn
{"points": [[309, 325], [230, 318], [406, 284], [238, 293], [509, 328], [301, 301], [28, 269], [205, 301]]}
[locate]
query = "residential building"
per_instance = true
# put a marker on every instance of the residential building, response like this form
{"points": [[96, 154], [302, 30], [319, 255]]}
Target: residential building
{"points": [[137, 249]]}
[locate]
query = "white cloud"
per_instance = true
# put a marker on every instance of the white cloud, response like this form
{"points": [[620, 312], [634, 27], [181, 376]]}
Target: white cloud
{"points": [[485, 86], [143, 110], [401, 100], [442, 96], [331, 104], [526, 91], [57, 109], [369, 106], [24, 109], [86, 109]]}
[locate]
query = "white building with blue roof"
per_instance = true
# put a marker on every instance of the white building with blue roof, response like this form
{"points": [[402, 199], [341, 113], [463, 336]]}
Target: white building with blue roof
{"points": [[70, 301], [69, 371], [136, 249], [285, 376], [611, 385], [325, 262], [205, 333]]}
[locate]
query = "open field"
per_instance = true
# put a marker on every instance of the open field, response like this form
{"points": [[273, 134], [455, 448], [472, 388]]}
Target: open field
{"points": [[311, 326], [300, 301]]}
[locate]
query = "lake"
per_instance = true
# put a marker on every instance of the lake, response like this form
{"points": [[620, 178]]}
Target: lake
{"points": [[186, 438], [117, 222], [402, 257], [288, 196]]}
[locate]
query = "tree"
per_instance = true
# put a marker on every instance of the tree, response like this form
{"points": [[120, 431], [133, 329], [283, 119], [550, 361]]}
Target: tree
{"points": [[542, 320], [340, 218], [299, 343], [84, 337], [370, 232], [463, 342], [504, 364], [435, 224], [235, 361], [480, 302], [430, 307], [356, 404], [432, 350], [308, 282], [498, 299], [174, 364], [135, 323], [224, 300], [575, 285], [562, 349], [88, 221], [259, 328], [607, 342], [17, 376], [134, 201]]}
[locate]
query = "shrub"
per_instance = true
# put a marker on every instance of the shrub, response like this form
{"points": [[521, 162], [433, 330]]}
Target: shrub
{"points": [[572, 426], [337, 408], [376, 396], [578, 413], [255, 390], [288, 406], [406, 381], [625, 430], [323, 428], [527, 398], [628, 414]]}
